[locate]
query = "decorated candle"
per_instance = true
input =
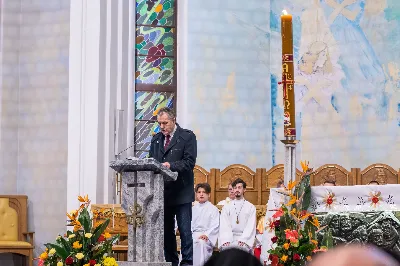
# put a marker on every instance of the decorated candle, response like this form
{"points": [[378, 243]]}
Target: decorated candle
{"points": [[288, 76]]}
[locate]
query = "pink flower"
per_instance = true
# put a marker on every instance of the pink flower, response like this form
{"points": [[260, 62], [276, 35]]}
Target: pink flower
{"points": [[41, 262], [292, 235], [278, 213]]}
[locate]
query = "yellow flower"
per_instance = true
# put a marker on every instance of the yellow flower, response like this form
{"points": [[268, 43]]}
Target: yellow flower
{"points": [[109, 261], [286, 246], [293, 211], [304, 165], [315, 222], [291, 185], [107, 235], [76, 245], [73, 215], [52, 251], [292, 200], [305, 216], [44, 255], [87, 264], [77, 225], [315, 242], [284, 258], [79, 256], [98, 223], [88, 235], [58, 237], [83, 199], [71, 236], [97, 264], [308, 258], [60, 263]]}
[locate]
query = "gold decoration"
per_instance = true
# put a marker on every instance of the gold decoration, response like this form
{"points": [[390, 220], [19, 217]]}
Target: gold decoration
{"points": [[136, 218]]}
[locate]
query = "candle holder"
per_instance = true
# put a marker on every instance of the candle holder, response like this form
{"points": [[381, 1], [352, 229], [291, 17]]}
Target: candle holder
{"points": [[288, 98]]}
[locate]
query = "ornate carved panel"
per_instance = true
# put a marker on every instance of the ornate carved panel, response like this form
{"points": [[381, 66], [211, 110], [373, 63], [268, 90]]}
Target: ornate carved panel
{"points": [[234, 171], [276, 174], [273, 176], [115, 213], [382, 173], [379, 228], [200, 175], [331, 172]]}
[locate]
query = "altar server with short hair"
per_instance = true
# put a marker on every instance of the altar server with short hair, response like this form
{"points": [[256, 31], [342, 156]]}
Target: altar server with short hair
{"points": [[238, 221], [231, 197], [205, 225]]}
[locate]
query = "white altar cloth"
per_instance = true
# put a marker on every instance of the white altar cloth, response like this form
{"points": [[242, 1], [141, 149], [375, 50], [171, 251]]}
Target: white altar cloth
{"points": [[345, 199], [367, 198]]}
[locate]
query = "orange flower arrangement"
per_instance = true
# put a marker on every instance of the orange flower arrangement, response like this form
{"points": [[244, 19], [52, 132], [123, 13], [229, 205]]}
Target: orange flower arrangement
{"points": [[295, 228], [86, 244]]}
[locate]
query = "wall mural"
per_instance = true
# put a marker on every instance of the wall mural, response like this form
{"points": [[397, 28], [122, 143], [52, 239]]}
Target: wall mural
{"points": [[347, 76], [347, 80]]}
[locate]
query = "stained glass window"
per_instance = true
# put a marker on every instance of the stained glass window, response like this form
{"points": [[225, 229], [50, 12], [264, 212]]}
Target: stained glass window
{"points": [[155, 69], [155, 12], [147, 103], [144, 131], [154, 41]]}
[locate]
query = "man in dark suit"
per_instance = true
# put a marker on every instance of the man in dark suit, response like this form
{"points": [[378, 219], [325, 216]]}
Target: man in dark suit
{"points": [[176, 148]]}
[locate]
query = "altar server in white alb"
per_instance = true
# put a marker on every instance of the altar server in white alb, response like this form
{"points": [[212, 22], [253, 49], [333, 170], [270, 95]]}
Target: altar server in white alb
{"points": [[238, 221], [205, 225], [231, 197]]}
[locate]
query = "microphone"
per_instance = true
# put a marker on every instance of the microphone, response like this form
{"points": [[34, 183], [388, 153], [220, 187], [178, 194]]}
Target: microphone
{"points": [[118, 155], [125, 150]]}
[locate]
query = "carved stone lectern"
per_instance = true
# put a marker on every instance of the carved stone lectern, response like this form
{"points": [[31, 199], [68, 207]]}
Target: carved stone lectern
{"points": [[143, 203]]}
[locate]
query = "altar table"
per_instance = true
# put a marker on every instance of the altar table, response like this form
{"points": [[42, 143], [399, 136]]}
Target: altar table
{"points": [[354, 214]]}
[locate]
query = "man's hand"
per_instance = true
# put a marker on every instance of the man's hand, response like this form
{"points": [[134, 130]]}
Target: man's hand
{"points": [[204, 237], [166, 164]]}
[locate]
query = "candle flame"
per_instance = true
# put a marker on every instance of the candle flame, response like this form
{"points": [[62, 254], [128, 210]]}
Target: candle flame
{"points": [[284, 12]]}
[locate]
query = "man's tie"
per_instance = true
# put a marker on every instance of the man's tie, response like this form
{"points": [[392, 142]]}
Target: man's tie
{"points": [[167, 141]]}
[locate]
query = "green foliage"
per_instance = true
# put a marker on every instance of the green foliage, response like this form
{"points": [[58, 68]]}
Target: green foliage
{"points": [[303, 190], [327, 240]]}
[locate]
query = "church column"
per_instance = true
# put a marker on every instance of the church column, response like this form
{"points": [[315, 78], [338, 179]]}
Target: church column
{"points": [[100, 84], [182, 110], [83, 115]]}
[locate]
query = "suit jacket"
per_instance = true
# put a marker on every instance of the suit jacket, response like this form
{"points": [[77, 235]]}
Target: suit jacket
{"points": [[181, 153]]}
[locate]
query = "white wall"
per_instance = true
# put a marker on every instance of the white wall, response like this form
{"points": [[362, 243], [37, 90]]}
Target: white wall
{"points": [[34, 111]]}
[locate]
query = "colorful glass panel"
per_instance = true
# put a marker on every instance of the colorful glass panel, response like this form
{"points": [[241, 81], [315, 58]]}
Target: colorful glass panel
{"points": [[141, 154], [144, 131], [154, 41], [147, 103], [155, 12], [154, 70]]}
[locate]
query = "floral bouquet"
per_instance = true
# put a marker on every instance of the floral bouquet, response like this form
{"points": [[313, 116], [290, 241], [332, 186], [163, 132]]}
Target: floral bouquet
{"points": [[86, 245], [296, 229]]}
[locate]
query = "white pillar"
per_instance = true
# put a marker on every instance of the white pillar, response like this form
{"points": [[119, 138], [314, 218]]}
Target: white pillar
{"points": [[182, 24], [290, 160], [100, 81], [83, 100]]}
